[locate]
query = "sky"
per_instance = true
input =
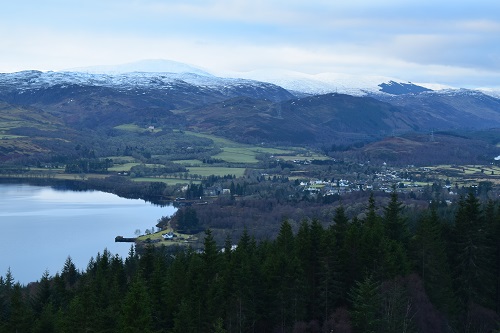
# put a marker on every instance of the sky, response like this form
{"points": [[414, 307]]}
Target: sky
{"points": [[455, 43]]}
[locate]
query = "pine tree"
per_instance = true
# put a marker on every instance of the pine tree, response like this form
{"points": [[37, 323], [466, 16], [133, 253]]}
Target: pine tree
{"points": [[366, 301], [69, 273], [372, 243], [20, 314], [492, 215], [285, 280], [308, 248], [471, 271], [332, 277], [212, 281], [339, 261], [352, 254], [341, 222], [136, 311], [43, 293], [246, 291], [395, 225], [431, 261], [46, 320]]}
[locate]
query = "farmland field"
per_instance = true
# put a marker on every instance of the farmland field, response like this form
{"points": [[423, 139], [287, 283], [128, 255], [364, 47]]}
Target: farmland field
{"points": [[234, 152], [237, 155]]}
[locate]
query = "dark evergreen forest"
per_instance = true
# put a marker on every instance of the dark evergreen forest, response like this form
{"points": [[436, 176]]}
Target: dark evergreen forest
{"points": [[356, 275]]}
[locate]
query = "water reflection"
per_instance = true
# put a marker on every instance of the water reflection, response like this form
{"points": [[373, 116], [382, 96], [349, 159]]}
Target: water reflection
{"points": [[42, 226]]}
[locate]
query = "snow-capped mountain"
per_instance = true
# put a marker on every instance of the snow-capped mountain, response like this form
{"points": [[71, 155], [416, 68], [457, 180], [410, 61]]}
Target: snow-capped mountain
{"points": [[166, 74], [171, 77]]}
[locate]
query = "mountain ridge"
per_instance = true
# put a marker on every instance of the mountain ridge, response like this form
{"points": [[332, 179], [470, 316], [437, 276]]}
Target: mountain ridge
{"points": [[246, 109]]}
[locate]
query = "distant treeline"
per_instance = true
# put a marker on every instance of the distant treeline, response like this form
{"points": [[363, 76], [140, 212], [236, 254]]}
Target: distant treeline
{"points": [[356, 275]]}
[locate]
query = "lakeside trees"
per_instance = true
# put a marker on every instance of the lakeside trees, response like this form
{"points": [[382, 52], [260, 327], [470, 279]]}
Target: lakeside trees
{"points": [[372, 274]]}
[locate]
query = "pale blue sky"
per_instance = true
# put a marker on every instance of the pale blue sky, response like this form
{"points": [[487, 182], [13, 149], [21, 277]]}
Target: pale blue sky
{"points": [[450, 42]]}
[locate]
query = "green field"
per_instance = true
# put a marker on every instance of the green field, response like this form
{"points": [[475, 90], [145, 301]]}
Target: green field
{"points": [[237, 155], [467, 174], [216, 171], [469, 169], [234, 152]]}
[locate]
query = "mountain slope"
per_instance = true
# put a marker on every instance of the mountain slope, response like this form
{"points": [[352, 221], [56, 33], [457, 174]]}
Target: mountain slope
{"points": [[450, 109], [316, 119]]}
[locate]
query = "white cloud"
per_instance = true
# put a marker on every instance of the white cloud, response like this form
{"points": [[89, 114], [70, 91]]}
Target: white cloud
{"points": [[456, 43]]}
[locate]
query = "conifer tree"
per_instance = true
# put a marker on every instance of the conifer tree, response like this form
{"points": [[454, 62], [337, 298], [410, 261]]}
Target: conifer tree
{"points": [[339, 264], [372, 247], [365, 300], [43, 294], [20, 319], [136, 311], [285, 280], [492, 214], [212, 282], [431, 261], [354, 254], [246, 291], [471, 271], [395, 225], [69, 273]]}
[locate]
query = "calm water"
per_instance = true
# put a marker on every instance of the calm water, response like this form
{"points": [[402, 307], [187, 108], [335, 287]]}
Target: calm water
{"points": [[41, 227]]}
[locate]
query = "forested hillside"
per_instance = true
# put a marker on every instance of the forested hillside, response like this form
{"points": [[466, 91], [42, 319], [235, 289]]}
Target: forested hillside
{"points": [[361, 275]]}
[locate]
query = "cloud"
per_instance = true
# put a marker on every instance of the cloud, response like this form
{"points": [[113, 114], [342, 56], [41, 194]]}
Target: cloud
{"points": [[451, 41]]}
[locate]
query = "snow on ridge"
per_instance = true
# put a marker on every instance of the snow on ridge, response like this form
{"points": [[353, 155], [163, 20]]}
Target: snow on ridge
{"points": [[321, 83], [459, 92], [492, 92], [36, 79]]}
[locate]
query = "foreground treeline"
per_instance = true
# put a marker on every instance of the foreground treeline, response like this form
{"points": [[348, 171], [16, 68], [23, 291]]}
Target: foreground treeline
{"points": [[369, 275]]}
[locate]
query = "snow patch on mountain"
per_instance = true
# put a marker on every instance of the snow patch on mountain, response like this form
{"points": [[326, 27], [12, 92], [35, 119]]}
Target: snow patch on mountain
{"points": [[143, 66], [493, 92], [323, 83]]}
